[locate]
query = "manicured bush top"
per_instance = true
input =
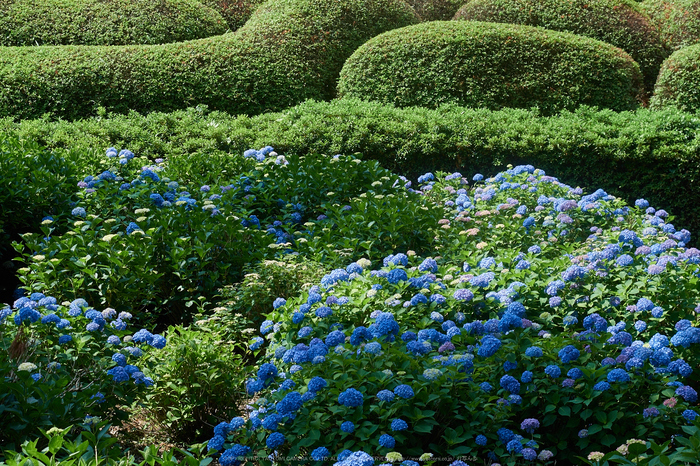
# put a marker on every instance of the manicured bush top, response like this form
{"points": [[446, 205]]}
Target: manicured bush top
{"points": [[290, 50], [617, 22], [679, 81], [491, 65], [678, 20], [116, 22]]}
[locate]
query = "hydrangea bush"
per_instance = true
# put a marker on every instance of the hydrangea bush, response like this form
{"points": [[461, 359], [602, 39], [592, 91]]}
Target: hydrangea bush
{"points": [[140, 241], [549, 324], [66, 363]]}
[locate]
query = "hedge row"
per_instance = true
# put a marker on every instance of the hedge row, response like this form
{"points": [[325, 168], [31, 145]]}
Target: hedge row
{"points": [[679, 81], [618, 22], [116, 22], [478, 64], [649, 154], [677, 20], [289, 50]]}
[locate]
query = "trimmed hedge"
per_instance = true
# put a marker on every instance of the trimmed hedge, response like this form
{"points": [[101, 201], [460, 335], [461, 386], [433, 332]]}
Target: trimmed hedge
{"points": [[115, 22], [435, 10], [477, 64], [234, 12], [289, 51], [618, 22], [649, 154], [679, 81], [677, 20]]}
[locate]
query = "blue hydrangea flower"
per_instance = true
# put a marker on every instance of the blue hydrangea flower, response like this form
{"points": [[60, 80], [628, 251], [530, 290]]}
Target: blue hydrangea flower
{"points": [[387, 441], [348, 427], [398, 424], [385, 395], [569, 353], [234, 456], [351, 398], [534, 352], [267, 371], [618, 375], [317, 383], [481, 440], [553, 371], [404, 391], [275, 440], [489, 345], [320, 454], [510, 384], [689, 415], [397, 275]]}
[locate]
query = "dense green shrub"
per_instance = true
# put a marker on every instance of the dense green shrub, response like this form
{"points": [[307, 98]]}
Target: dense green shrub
{"points": [[617, 22], [298, 46], [654, 154], [435, 10], [679, 81], [94, 22], [477, 64], [234, 12], [678, 21], [199, 383]]}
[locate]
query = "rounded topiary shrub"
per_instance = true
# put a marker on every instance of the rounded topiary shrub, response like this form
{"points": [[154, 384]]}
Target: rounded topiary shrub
{"points": [[617, 22], [234, 12], [289, 51], [678, 21], [93, 22], [491, 65], [679, 81], [435, 10]]}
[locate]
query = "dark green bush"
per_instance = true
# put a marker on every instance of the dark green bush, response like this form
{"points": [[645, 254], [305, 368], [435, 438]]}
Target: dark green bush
{"points": [[298, 46], [617, 22], [234, 12], [650, 154], [679, 81], [116, 22], [476, 64], [199, 383], [678, 21]]}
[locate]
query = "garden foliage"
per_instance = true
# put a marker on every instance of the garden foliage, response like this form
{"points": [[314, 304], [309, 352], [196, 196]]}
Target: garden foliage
{"points": [[234, 12], [435, 10], [65, 363], [679, 81], [144, 243], [296, 45], [678, 21], [552, 325], [94, 22], [629, 154], [479, 64], [618, 22]]}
